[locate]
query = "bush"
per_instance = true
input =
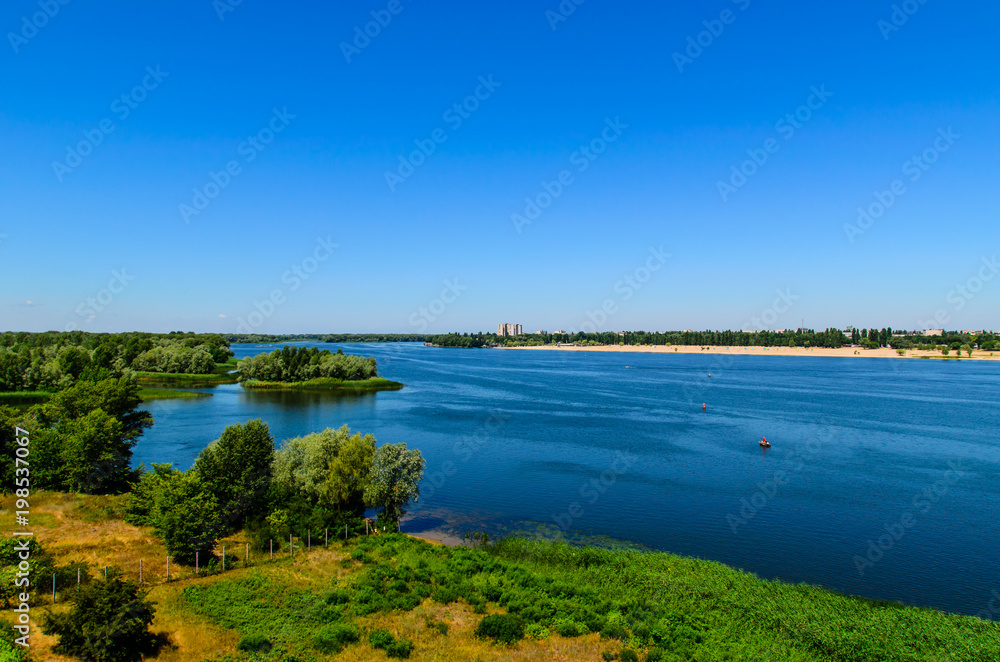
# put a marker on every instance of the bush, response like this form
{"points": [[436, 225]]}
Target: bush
{"points": [[381, 639], [503, 628], [536, 631], [569, 628], [254, 643], [109, 622], [437, 625], [400, 649], [628, 655], [334, 638]]}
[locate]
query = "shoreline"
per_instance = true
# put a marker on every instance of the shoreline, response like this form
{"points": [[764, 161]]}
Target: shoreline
{"points": [[843, 352]]}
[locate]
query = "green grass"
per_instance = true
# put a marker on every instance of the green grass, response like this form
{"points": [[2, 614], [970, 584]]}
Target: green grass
{"points": [[23, 397], [666, 607], [167, 394], [184, 379], [327, 384]]}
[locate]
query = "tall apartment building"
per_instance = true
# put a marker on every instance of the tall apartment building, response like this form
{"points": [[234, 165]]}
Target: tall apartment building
{"points": [[509, 330]]}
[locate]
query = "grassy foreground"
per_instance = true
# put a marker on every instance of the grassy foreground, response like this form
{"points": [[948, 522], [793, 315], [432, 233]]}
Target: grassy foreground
{"points": [[326, 384], [573, 603]]}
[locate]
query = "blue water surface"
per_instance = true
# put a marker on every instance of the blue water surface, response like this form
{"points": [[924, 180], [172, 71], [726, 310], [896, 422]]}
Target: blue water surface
{"points": [[901, 453]]}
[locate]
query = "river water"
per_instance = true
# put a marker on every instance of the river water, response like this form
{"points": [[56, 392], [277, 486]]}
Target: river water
{"points": [[882, 480]]}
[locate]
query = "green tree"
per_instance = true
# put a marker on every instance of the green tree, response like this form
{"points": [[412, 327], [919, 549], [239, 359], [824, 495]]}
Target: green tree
{"points": [[349, 471], [185, 515], [967, 349], [236, 469], [394, 480], [83, 437], [109, 622]]}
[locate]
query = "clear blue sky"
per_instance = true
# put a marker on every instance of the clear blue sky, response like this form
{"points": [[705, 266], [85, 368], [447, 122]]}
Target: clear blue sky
{"points": [[69, 220]]}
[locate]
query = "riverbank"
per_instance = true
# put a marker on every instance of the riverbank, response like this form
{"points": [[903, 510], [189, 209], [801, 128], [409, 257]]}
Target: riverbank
{"points": [[326, 384], [569, 602], [845, 352]]}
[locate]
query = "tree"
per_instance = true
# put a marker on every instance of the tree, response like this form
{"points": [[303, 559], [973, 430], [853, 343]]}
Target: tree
{"points": [[349, 471], [236, 469], [302, 464], [85, 435], [967, 349], [394, 480], [186, 516], [109, 622]]}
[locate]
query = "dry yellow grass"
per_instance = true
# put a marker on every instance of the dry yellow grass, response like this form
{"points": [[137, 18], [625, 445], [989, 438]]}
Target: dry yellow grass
{"points": [[83, 528]]}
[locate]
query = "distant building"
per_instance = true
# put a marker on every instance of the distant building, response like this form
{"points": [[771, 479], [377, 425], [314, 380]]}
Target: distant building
{"points": [[541, 332], [933, 332], [560, 331], [509, 330]]}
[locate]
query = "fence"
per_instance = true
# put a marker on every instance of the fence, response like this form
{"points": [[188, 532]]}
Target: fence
{"points": [[305, 546]]}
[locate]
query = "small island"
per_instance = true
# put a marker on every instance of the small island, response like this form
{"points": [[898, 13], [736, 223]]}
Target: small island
{"points": [[312, 369]]}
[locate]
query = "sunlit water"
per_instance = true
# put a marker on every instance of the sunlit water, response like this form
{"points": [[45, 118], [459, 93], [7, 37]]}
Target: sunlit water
{"points": [[619, 446]]}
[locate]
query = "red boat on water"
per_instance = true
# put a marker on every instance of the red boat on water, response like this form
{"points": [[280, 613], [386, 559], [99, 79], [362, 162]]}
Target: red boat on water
{"points": [[764, 443]]}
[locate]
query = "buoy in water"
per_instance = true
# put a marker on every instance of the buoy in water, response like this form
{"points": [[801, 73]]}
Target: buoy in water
{"points": [[704, 406]]}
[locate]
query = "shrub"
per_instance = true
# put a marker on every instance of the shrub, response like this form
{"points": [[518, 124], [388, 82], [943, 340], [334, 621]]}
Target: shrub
{"points": [[400, 648], [334, 638], [628, 655], [569, 628], [536, 631], [381, 639], [109, 622], [254, 643], [440, 626], [503, 628]]}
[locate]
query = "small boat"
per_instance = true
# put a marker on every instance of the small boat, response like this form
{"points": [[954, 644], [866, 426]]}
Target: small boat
{"points": [[764, 443]]}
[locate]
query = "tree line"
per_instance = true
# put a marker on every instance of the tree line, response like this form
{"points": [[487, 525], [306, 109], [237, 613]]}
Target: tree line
{"points": [[53, 361], [298, 364]]}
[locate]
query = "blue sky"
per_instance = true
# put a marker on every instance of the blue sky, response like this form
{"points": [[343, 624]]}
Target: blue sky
{"points": [[96, 236]]}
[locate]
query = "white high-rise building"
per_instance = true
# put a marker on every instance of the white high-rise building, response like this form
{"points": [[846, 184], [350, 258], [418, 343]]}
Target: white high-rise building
{"points": [[509, 330]]}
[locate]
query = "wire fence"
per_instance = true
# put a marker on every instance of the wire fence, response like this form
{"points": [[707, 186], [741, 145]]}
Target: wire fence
{"points": [[243, 558]]}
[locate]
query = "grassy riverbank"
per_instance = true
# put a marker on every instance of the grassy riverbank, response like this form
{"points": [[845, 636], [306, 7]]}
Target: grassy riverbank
{"points": [[147, 394], [326, 384], [571, 603], [224, 374]]}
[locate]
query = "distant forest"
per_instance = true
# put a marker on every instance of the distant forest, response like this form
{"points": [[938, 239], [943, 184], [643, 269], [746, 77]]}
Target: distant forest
{"points": [[865, 338], [53, 361]]}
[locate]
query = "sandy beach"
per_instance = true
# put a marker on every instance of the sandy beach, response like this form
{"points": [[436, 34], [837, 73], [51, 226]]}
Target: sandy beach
{"points": [[846, 352]]}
